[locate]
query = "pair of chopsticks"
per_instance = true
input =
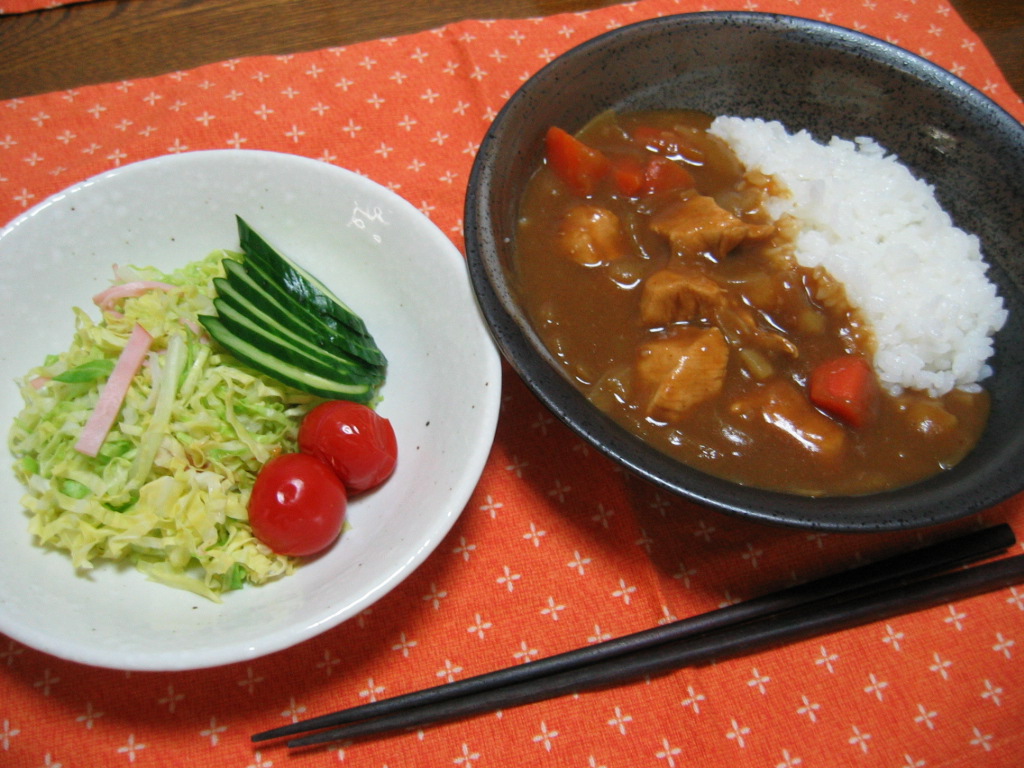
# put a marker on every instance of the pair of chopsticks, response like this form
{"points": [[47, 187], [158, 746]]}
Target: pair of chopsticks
{"points": [[902, 583]]}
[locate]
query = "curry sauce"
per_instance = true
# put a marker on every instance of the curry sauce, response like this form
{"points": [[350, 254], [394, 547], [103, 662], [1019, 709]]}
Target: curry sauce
{"points": [[652, 272]]}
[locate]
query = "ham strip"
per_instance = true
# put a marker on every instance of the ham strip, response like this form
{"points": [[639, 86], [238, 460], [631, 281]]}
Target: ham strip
{"points": [[106, 299], [114, 391]]}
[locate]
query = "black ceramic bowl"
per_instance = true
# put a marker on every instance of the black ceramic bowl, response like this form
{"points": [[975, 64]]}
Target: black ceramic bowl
{"points": [[808, 75]]}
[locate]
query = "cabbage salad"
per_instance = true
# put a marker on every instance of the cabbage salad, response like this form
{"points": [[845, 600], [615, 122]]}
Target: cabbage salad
{"points": [[160, 477]]}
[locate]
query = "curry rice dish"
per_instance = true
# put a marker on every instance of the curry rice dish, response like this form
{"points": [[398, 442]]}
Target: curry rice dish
{"points": [[784, 314]]}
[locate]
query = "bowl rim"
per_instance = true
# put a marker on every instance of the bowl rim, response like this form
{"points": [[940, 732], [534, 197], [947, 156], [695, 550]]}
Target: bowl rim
{"points": [[922, 504]]}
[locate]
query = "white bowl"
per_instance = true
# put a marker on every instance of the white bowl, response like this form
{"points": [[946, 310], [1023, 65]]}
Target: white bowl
{"points": [[376, 251]]}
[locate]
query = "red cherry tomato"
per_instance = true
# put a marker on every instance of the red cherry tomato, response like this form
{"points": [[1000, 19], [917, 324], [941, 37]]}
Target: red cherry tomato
{"points": [[297, 505], [353, 439]]}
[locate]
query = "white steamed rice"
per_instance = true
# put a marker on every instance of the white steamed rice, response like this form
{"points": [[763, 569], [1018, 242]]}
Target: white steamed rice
{"points": [[917, 279]]}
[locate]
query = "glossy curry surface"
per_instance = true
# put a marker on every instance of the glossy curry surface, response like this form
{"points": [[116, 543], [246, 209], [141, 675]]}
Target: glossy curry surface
{"points": [[652, 273]]}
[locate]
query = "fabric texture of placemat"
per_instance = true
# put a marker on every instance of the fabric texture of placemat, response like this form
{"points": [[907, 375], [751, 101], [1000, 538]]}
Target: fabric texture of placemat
{"points": [[556, 548], [25, 6]]}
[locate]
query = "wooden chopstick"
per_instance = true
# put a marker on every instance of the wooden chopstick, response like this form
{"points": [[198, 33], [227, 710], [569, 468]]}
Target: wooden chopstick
{"points": [[703, 649], [603, 663]]}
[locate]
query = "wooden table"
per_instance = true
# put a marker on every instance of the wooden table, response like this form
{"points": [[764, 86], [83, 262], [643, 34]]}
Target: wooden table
{"points": [[111, 40]]}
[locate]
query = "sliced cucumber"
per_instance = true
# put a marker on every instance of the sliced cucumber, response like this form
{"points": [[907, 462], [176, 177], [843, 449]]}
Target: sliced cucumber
{"points": [[283, 322], [238, 309], [274, 269], [332, 388], [289, 349], [282, 308]]}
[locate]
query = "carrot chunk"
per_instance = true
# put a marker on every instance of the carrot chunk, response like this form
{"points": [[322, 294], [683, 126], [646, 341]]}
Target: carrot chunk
{"points": [[579, 166], [846, 388], [662, 175], [628, 174]]}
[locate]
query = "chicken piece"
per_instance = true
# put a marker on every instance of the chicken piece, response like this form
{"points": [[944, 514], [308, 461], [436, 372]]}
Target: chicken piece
{"points": [[679, 372], [671, 296], [591, 236], [782, 405], [696, 224], [739, 324], [928, 416]]}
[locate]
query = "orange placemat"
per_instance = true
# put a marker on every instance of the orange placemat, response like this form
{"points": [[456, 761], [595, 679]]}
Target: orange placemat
{"points": [[556, 548], [23, 6]]}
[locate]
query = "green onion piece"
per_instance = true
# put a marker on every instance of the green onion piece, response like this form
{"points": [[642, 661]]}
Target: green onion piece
{"points": [[74, 489], [234, 578], [90, 371]]}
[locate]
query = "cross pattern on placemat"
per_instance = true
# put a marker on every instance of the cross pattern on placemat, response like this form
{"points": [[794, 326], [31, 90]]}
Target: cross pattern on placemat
{"points": [[557, 548]]}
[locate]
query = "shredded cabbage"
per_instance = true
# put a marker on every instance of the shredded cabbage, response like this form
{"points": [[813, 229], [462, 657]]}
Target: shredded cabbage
{"points": [[169, 488]]}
